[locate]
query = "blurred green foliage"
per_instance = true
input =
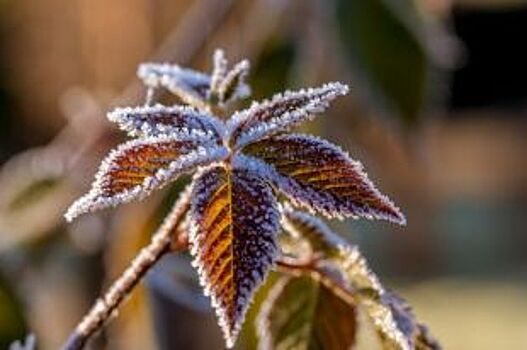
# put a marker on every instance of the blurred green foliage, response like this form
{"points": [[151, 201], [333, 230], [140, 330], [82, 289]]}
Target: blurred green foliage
{"points": [[386, 55], [273, 67]]}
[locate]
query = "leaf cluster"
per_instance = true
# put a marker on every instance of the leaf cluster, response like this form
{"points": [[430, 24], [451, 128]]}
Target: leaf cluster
{"points": [[249, 172]]}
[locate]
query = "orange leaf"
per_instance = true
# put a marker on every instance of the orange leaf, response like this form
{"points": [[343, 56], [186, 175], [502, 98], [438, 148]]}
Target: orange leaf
{"points": [[138, 167], [234, 220]]}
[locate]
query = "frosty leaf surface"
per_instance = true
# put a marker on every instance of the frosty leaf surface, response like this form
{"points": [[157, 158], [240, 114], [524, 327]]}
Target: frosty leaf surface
{"points": [[303, 314], [177, 121], [219, 70], [136, 168], [234, 221], [391, 316], [233, 85], [318, 175], [280, 113], [233, 217], [190, 86]]}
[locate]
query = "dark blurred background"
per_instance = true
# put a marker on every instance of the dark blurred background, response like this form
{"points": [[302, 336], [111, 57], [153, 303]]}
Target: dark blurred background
{"points": [[437, 113]]}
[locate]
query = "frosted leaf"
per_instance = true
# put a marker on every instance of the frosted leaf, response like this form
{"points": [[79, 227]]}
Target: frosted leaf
{"points": [[302, 313], [321, 177], [407, 332], [189, 85], [177, 121], [308, 227], [390, 315], [233, 86], [281, 113], [219, 70], [234, 221], [136, 168]]}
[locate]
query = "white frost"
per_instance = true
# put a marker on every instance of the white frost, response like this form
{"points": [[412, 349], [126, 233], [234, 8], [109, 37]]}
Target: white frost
{"points": [[282, 112], [98, 198]]}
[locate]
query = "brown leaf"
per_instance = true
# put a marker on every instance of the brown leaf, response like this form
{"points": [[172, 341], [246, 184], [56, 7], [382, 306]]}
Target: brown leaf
{"points": [[280, 113], [320, 176], [234, 222], [136, 168]]}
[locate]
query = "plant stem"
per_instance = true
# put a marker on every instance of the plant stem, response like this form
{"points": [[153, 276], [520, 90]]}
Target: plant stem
{"points": [[106, 306], [297, 268]]}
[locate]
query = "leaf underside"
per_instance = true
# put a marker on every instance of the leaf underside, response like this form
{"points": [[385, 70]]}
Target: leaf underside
{"points": [[233, 237], [303, 314]]}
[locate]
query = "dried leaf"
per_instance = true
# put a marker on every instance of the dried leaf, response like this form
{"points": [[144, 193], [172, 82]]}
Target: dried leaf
{"points": [[302, 313], [178, 121], [234, 220], [319, 176], [136, 168], [280, 113]]}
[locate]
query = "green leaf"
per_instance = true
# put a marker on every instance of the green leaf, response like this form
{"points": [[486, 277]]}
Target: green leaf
{"points": [[302, 313], [386, 54]]}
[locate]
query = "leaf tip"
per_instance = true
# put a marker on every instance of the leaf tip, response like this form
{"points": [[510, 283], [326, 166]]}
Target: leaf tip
{"points": [[76, 209]]}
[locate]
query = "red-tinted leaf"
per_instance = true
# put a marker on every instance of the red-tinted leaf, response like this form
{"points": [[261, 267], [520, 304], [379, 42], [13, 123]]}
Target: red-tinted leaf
{"points": [[138, 167], [234, 221], [282, 112], [320, 176]]}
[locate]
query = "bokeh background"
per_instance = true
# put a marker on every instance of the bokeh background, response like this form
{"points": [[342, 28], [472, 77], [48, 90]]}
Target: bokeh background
{"points": [[437, 113]]}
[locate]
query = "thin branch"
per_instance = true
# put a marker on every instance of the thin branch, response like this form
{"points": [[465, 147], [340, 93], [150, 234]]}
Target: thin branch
{"points": [[161, 243], [297, 268]]}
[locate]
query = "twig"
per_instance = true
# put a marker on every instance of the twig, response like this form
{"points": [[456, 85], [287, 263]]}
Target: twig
{"points": [[161, 243], [297, 268]]}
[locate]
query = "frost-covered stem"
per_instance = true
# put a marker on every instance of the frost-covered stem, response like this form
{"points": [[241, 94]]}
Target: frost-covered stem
{"points": [[297, 268], [105, 307]]}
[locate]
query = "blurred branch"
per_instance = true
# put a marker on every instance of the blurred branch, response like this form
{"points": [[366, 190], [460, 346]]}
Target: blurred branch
{"points": [[161, 243], [61, 166]]}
